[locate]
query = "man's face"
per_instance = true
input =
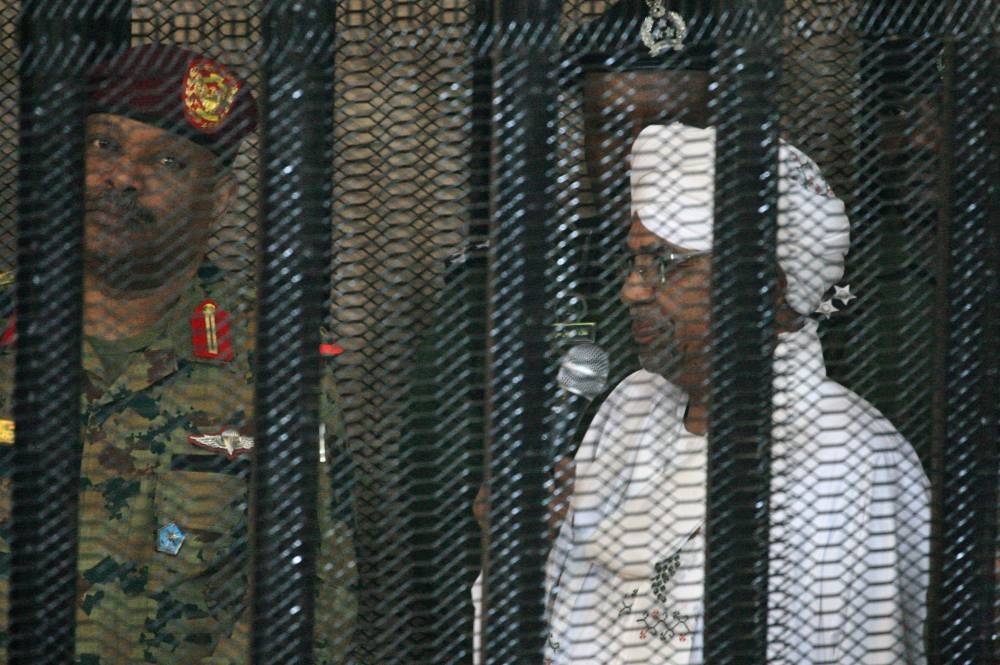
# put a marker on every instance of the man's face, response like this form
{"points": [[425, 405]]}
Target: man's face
{"points": [[670, 307], [150, 197]]}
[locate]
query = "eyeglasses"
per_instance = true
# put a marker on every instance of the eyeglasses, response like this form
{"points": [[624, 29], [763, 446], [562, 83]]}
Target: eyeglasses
{"points": [[654, 268]]}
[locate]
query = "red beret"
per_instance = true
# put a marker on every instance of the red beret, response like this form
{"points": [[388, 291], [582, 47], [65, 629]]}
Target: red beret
{"points": [[176, 90]]}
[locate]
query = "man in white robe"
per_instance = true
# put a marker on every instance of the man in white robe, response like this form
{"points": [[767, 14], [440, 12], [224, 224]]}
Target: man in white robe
{"points": [[849, 507]]}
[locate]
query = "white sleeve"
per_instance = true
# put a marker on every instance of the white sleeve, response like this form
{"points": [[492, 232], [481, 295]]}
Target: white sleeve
{"points": [[477, 621], [886, 605], [855, 593], [629, 543]]}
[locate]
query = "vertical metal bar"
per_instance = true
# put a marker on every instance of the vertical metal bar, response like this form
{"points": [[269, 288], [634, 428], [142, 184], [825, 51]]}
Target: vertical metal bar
{"points": [[969, 470], [297, 149], [939, 403], [879, 232], [524, 118], [743, 283], [992, 383], [57, 46], [482, 88], [475, 285], [444, 438]]}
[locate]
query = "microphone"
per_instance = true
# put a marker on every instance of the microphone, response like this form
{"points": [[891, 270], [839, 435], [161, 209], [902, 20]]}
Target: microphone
{"points": [[583, 373], [583, 370]]}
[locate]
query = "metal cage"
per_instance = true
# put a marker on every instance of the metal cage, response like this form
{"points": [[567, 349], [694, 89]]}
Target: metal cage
{"points": [[437, 197]]}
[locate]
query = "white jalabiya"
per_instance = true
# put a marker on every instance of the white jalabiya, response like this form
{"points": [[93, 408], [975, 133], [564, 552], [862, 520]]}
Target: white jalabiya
{"points": [[849, 509], [848, 538]]}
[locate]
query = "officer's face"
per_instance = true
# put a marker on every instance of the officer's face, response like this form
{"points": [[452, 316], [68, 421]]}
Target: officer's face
{"points": [[149, 203], [670, 315]]}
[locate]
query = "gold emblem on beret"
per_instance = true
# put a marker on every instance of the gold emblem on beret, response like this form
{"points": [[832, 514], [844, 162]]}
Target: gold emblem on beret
{"points": [[6, 432], [209, 93]]}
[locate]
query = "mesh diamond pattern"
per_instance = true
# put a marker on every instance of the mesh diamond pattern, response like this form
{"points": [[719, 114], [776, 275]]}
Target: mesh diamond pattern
{"points": [[771, 246]]}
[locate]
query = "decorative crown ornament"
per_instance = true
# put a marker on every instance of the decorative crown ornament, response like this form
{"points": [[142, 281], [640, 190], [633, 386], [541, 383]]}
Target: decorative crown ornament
{"points": [[662, 29]]}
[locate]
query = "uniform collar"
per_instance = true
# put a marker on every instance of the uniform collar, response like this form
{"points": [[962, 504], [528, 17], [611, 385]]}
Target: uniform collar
{"points": [[150, 363], [167, 351]]}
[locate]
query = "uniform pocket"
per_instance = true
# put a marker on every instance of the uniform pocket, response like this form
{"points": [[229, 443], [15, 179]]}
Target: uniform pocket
{"points": [[210, 511], [201, 591]]}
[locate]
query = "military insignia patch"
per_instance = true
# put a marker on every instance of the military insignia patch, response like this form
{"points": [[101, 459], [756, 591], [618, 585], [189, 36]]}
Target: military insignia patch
{"points": [[6, 432], [662, 30], [210, 332], [9, 335], [229, 441], [209, 93], [169, 539], [328, 348]]}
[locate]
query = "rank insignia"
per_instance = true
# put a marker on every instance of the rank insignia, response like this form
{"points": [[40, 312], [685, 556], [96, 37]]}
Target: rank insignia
{"points": [[6, 432], [327, 347], [209, 92], [228, 441], [210, 337], [169, 539], [9, 335]]}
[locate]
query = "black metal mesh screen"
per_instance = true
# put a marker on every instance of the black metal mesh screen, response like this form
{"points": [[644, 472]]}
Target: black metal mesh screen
{"points": [[570, 332]]}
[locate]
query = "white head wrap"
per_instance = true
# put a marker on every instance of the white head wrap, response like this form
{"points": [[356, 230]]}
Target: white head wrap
{"points": [[673, 190]]}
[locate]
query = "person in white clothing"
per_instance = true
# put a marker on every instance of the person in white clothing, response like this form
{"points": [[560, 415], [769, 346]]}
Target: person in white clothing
{"points": [[849, 505]]}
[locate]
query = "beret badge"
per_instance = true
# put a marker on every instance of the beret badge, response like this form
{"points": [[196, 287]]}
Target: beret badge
{"points": [[209, 93]]}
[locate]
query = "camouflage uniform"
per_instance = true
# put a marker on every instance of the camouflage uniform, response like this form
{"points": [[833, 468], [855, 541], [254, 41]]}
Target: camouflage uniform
{"points": [[140, 472]]}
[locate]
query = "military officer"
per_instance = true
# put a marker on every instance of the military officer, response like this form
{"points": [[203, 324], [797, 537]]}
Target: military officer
{"points": [[167, 408]]}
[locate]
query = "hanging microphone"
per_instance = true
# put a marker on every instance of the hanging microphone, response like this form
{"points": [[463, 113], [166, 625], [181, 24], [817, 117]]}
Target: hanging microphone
{"points": [[583, 370], [583, 373]]}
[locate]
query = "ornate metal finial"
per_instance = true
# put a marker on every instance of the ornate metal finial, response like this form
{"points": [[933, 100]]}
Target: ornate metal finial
{"points": [[662, 29]]}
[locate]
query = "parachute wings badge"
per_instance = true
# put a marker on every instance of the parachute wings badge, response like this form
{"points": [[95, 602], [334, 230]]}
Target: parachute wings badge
{"points": [[229, 441]]}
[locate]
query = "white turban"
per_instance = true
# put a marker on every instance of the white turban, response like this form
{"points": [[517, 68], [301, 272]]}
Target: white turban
{"points": [[673, 188]]}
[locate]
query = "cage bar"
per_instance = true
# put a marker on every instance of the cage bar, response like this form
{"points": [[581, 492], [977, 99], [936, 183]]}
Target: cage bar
{"points": [[524, 113], [743, 281], [297, 149], [46, 459], [968, 489]]}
